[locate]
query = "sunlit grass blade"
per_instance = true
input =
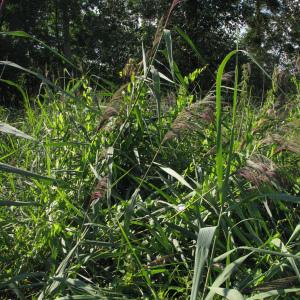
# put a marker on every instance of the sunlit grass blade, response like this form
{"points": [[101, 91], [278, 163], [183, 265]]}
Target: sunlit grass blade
{"points": [[279, 244], [177, 176], [6, 128], [274, 293], [230, 294], [169, 46], [204, 240], [16, 203], [226, 273], [295, 234], [14, 170], [145, 68]]}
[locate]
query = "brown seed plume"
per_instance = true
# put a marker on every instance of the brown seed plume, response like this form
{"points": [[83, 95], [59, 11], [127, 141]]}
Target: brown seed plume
{"points": [[283, 143], [259, 171], [188, 119], [98, 193]]}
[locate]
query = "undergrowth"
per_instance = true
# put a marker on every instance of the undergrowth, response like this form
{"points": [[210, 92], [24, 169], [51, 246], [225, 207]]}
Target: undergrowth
{"points": [[151, 192]]}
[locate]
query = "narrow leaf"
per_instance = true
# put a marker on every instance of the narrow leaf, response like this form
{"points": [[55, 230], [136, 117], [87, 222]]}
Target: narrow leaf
{"points": [[174, 174], [16, 203], [204, 240], [273, 293], [227, 272], [168, 40], [229, 294], [156, 90], [294, 234], [11, 169], [279, 244], [6, 128]]}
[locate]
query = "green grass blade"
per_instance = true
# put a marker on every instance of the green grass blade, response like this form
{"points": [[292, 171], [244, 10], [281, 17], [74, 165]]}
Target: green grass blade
{"points": [[219, 154], [6, 128], [14, 170], [227, 272], [168, 41], [204, 240], [142, 269], [17, 86], [280, 245], [156, 90], [274, 293], [174, 174], [51, 285], [258, 250], [191, 44], [16, 203], [229, 294]]}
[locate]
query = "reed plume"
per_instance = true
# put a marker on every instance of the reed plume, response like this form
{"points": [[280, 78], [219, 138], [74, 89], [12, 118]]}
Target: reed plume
{"points": [[188, 119], [259, 171], [283, 143], [98, 193]]}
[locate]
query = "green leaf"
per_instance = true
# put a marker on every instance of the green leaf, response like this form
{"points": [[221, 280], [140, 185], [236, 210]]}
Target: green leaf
{"points": [[273, 293], [294, 234], [282, 197], [227, 272], [156, 90], [204, 240], [16, 203], [219, 155], [279, 244], [223, 256], [174, 174], [191, 44], [229, 294], [11, 169], [39, 76], [17, 86], [168, 40], [6, 128], [52, 285]]}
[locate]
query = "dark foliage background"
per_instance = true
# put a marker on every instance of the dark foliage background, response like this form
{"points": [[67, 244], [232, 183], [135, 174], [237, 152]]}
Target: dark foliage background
{"points": [[100, 36]]}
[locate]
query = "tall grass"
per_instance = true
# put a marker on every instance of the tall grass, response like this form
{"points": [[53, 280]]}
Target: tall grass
{"points": [[130, 197]]}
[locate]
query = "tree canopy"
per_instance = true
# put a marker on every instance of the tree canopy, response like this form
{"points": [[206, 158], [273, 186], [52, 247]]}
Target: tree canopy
{"points": [[101, 35]]}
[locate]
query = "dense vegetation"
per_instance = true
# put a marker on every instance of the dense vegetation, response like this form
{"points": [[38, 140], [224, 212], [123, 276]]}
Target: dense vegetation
{"points": [[182, 183]]}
